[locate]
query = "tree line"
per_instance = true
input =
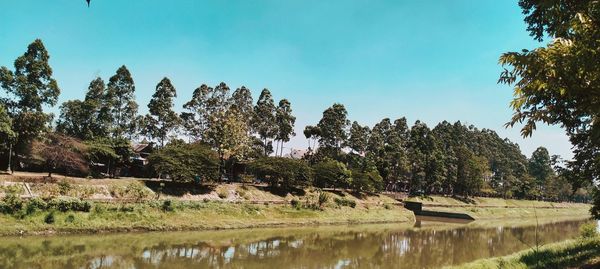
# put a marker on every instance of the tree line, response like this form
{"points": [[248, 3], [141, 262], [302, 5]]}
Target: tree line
{"points": [[223, 134]]}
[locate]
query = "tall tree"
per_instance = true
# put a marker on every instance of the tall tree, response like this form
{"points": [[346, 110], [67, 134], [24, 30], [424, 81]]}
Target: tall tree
{"points": [[84, 119], [162, 120], [241, 100], [7, 135], [358, 138], [559, 83], [196, 117], [540, 168], [285, 123], [332, 126], [264, 119], [29, 88], [124, 109]]}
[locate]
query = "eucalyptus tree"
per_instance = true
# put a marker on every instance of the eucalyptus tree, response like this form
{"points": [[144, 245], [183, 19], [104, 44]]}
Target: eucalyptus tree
{"points": [[333, 129], [7, 135], [358, 138], [558, 83], [124, 108], [162, 120], [264, 122], [540, 168], [285, 123], [312, 133], [241, 100], [29, 88], [195, 118], [86, 119]]}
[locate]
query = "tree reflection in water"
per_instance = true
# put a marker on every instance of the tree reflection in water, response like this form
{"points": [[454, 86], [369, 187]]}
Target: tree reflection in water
{"points": [[382, 246]]}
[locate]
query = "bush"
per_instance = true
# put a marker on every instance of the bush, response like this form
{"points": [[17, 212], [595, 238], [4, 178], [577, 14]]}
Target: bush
{"points": [[64, 187], [70, 204], [345, 202], [223, 194], [35, 204], [295, 203], [323, 198], [282, 172], [182, 161], [11, 203], [132, 190], [70, 218], [168, 206], [49, 219], [588, 230], [331, 174]]}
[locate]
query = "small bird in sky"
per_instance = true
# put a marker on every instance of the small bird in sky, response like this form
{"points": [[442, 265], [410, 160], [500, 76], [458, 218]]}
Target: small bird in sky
{"points": [[88, 2]]}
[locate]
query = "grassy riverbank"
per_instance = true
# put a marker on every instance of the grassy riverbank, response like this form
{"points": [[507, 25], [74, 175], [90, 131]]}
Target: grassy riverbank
{"points": [[76, 205], [481, 208], [152, 216], [576, 253]]}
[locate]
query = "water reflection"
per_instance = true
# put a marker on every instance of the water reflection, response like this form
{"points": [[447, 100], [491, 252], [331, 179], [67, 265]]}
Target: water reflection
{"points": [[380, 246]]}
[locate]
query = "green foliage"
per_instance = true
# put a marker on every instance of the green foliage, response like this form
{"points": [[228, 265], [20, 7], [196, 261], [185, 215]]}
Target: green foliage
{"points": [[64, 187], [285, 123], [88, 119], [133, 190], [369, 181], [70, 218], [11, 203], [345, 202], [295, 203], [555, 83], [332, 127], [69, 204], [282, 172], [323, 198], [264, 122], [121, 101], [331, 174], [182, 162], [162, 120], [30, 87], [167, 206], [49, 218], [588, 230], [7, 135]]}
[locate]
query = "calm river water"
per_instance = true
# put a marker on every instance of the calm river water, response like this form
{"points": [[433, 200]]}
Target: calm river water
{"points": [[430, 244]]}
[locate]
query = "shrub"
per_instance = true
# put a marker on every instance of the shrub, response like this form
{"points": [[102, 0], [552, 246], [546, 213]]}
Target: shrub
{"points": [[70, 218], [331, 173], [283, 172], [70, 204], [345, 202], [49, 219], [323, 198], [35, 204], [12, 203], [588, 230], [182, 161], [223, 194], [295, 203], [132, 190], [168, 206], [64, 187]]}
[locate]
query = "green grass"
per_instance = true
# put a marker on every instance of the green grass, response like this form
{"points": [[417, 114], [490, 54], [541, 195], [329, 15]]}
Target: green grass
{"points": [[559, 255], [496, 208], [150, 216]]}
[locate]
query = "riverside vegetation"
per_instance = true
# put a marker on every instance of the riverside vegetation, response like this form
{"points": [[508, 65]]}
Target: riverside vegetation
{"points": [[74, 205]]}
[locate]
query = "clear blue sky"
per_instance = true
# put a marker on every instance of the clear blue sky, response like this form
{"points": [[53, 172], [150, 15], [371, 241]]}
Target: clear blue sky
{"points": [[427, 60]]}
